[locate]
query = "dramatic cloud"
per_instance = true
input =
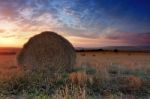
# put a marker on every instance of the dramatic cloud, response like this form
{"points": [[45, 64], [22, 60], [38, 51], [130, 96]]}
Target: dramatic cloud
{"points": [[83, 22]]}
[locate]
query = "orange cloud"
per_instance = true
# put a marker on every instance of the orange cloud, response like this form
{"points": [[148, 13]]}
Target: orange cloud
{"points": [[93, 42]]}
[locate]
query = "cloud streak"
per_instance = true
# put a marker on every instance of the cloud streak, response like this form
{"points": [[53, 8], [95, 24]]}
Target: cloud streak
{"points": [[131, 38], [93, 22]]}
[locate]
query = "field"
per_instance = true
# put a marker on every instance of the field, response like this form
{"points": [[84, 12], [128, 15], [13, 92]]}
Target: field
{"points": [[97, 75]]}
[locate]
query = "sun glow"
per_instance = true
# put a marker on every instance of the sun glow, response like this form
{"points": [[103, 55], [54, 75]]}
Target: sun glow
{"points": [[7, 42], [8, 26]]}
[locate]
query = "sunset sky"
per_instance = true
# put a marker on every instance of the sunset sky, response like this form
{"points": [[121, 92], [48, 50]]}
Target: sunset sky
{"points": [[85, 23]]}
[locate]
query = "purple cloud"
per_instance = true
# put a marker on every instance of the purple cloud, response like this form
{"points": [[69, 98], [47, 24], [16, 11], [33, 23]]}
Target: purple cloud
{"points": [[131, 38]]}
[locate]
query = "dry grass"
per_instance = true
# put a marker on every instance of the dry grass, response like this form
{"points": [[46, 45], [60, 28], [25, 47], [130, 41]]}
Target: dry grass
{"points": [[79, 78], [134, 61], [134, 83], [99, 75], [8, 67]]}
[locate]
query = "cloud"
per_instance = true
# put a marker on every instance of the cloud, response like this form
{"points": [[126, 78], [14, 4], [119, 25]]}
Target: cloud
{"points": [[2, 30], [89, 21], [131, 38]]}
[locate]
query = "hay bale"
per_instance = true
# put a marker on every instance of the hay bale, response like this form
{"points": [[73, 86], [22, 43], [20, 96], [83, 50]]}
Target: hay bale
{"points": [[47, 52]]}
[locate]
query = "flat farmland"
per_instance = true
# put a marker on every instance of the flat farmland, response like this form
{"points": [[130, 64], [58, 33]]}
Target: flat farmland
{"points": [[131, 60], [110, 74]]}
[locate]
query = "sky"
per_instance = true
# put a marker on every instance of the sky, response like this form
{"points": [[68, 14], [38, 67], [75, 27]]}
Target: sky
{"points": [[85, 23]]}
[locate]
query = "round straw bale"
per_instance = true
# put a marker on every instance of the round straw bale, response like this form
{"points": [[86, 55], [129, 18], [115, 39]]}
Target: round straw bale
{"points": [[47, 52]]}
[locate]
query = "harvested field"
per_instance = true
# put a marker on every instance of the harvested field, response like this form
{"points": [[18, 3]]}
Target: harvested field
{"points": [[105, 74]]}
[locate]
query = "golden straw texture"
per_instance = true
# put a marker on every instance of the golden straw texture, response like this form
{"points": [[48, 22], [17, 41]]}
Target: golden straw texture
{"points": [[47, 51]]}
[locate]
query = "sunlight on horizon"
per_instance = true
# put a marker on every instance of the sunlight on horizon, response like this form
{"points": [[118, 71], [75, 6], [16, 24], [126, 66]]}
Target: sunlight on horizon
{"points": [[11, 42], [87, 23]]}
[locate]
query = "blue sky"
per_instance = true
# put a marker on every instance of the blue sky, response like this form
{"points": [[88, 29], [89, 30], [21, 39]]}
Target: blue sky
{"points": [[85, 23]]}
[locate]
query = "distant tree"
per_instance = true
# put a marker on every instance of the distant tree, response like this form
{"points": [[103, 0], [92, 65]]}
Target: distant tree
{"points": [[115, 50], [100, 50]]}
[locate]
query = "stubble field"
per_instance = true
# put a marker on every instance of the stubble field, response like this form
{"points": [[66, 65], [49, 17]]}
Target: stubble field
{"points": [[98, 75]]}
